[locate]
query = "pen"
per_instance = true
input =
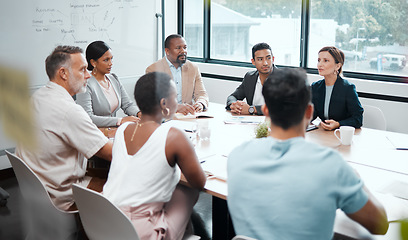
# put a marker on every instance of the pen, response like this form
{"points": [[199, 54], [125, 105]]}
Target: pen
{"points": [[202, 161]]}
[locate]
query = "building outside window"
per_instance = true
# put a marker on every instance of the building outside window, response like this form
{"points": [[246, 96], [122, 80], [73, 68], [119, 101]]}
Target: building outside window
{"points": [[372, 33]]}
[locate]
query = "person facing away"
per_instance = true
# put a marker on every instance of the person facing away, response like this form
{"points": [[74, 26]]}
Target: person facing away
{"points": [[66, 135], [335, 100], [104, 94], [283, 187], [251, 87], [148, 157], [191, 94]]}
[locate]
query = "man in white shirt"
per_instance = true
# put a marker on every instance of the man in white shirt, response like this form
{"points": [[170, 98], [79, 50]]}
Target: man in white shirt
{"points": [[66, 136], [251, 87]]}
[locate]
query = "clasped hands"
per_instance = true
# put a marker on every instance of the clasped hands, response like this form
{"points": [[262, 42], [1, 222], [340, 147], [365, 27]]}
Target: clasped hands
{"points": [[329, 124], [186, 108], [239, 107]]}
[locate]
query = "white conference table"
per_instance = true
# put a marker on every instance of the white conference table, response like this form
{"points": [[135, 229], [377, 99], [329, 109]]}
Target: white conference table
{"points": [[383, 169]]}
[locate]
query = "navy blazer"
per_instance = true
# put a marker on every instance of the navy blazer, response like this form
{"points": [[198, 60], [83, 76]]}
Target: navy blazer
{"points": [[344, 107], [246, 90]]}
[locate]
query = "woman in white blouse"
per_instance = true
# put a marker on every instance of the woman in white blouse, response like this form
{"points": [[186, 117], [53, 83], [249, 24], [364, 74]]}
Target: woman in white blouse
{"points": [[148, 158], [105, 94]]}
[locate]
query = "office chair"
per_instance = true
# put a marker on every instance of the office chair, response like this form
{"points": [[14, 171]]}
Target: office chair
{"points": [[102, 220], [374, 118], [100, 217], [44, 219]]}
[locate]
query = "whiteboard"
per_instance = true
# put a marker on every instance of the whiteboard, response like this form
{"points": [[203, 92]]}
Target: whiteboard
{"points": [[31, 29]]}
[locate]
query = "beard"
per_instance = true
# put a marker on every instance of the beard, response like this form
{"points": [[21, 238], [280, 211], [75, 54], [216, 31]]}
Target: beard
{"points": [[82, 89], [181, 61]]}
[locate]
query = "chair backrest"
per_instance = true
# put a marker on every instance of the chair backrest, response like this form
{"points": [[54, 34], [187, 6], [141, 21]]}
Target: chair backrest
{"points": [[373, 117], [45, 220], [100, 217], [241, 237]]}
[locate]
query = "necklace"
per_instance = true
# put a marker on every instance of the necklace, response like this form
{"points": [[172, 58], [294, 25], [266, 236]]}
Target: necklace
{"points": [[139, 125], [104, 83]]}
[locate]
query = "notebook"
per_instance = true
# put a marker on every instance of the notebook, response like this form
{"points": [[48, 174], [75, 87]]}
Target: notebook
{"points": [[400, 142]]}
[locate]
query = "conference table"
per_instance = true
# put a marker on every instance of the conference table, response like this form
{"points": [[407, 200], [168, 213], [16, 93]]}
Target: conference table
{"points": [[373, 154]]}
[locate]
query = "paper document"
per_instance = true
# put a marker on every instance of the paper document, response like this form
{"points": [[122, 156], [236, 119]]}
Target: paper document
{"points": [[215, 165], [396, 208], [397, 189], [311, 127], [245, 120]]}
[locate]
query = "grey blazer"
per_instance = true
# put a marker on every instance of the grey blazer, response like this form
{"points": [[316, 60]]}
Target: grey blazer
{"points": [[97, 106]]}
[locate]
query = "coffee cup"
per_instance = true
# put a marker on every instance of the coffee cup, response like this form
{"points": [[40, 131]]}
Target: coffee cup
{"points": [[346, 134]]}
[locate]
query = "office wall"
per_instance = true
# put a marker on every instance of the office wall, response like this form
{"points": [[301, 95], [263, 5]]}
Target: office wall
{"points": [[30, 29]]}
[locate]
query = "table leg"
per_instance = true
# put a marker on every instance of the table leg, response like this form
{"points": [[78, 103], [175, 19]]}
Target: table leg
{"points": [[221, 220]]}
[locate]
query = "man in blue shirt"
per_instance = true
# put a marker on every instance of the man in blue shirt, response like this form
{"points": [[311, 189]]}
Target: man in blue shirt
{"points": [[283, 187]]}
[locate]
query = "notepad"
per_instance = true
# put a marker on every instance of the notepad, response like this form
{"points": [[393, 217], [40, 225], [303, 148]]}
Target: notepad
{"points": [[181, 116], [400, 142]]}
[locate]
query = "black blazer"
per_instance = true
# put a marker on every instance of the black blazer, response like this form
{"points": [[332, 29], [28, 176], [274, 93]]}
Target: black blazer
{"points": [[246, 90], [344, 107]]}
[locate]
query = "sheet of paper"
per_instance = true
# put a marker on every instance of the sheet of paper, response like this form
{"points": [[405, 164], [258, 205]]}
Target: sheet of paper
{"points": [[397, 189], [215, 165], [311, 127], [396, 208], [244, 120]]}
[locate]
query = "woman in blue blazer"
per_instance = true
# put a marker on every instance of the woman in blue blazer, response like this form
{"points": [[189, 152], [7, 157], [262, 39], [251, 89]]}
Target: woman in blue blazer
{"points": [[105, 94], [335, 100]]}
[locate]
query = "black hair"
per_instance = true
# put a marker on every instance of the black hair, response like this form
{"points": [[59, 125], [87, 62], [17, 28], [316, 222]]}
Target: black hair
{"points": [[169, 38], [337, 54], [260, 46], [94, 51], [59, 57], [150, 89], [287, 95]]}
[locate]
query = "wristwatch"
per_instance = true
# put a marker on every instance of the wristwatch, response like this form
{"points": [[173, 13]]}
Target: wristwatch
{"points": [[251, 110]]}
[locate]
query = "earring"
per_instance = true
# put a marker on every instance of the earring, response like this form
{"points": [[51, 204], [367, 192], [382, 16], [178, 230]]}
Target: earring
{"points": [[94, 70], [168, 112], [336, 72]]}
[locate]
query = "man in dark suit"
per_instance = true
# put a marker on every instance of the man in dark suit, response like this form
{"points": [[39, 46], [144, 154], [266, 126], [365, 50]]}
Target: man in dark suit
{"points": [[251, 87]]}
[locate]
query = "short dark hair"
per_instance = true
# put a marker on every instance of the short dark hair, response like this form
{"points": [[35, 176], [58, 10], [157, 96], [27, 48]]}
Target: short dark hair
{"points": [[260, 46], [150, 89], [337, 54], [94, 51], [169, 38], [59, 56], [287, 95]]}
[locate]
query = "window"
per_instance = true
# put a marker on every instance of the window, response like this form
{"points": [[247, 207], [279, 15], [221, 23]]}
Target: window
{"points": [[193, 27], [372, 33], [238, 25]]}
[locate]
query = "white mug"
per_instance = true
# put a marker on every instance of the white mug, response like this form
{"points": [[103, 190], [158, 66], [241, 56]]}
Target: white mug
{"points": [[346, 134]]}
